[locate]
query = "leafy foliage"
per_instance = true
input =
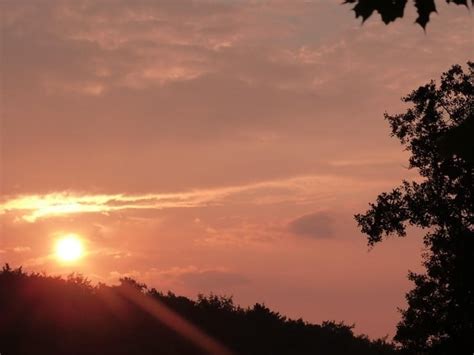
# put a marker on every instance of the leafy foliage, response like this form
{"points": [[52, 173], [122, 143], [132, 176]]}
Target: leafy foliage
{"points": [[52, 315], [390, 10], [440, 314]]}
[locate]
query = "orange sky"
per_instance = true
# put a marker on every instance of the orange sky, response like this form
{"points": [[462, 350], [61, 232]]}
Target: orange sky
{"points": [[214, 145]]}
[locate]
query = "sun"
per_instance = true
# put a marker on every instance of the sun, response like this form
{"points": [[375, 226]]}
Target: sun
{"points": [[69, 248]]}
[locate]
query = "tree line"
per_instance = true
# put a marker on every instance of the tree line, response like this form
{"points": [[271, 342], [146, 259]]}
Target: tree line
{"points": [[42, 314]]}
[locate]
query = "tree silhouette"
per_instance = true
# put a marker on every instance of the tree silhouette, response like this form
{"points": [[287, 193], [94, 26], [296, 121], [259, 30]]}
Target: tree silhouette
{"points": [[440, 314], [41, 314], [390, 10]]}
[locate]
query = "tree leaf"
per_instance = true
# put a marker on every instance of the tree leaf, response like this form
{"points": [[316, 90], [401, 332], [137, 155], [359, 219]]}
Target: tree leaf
{"points": [[424, 9]]}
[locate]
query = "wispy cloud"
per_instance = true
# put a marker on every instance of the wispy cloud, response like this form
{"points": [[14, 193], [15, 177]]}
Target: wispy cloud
{"points": [[302, 189]]}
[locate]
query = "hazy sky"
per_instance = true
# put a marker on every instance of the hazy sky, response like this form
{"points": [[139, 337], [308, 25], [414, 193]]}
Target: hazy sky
{"points": [[215, 145]]}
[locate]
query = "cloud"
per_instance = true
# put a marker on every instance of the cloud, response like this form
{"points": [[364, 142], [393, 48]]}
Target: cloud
{"points": [[317, 225], [21, 249], [17, 249], [208, 279], [303, 189], [175, 90], [213, 279]]}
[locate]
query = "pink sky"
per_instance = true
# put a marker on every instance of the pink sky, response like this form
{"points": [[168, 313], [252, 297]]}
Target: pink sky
{"points": [[218, 146]]}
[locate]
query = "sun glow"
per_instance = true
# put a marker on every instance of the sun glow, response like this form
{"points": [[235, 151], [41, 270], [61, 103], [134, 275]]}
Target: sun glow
{"points": [[69, 248]]}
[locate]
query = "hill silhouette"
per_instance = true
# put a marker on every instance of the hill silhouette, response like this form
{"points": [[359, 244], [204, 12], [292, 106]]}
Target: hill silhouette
{"points": [[43, 314]]}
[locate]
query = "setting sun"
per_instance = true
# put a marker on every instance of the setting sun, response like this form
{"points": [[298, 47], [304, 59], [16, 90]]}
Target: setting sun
{"points": [[69, 248]]}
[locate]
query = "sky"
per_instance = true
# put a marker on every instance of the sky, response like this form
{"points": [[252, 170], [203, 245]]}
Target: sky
{"points": [[215, 146]]}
